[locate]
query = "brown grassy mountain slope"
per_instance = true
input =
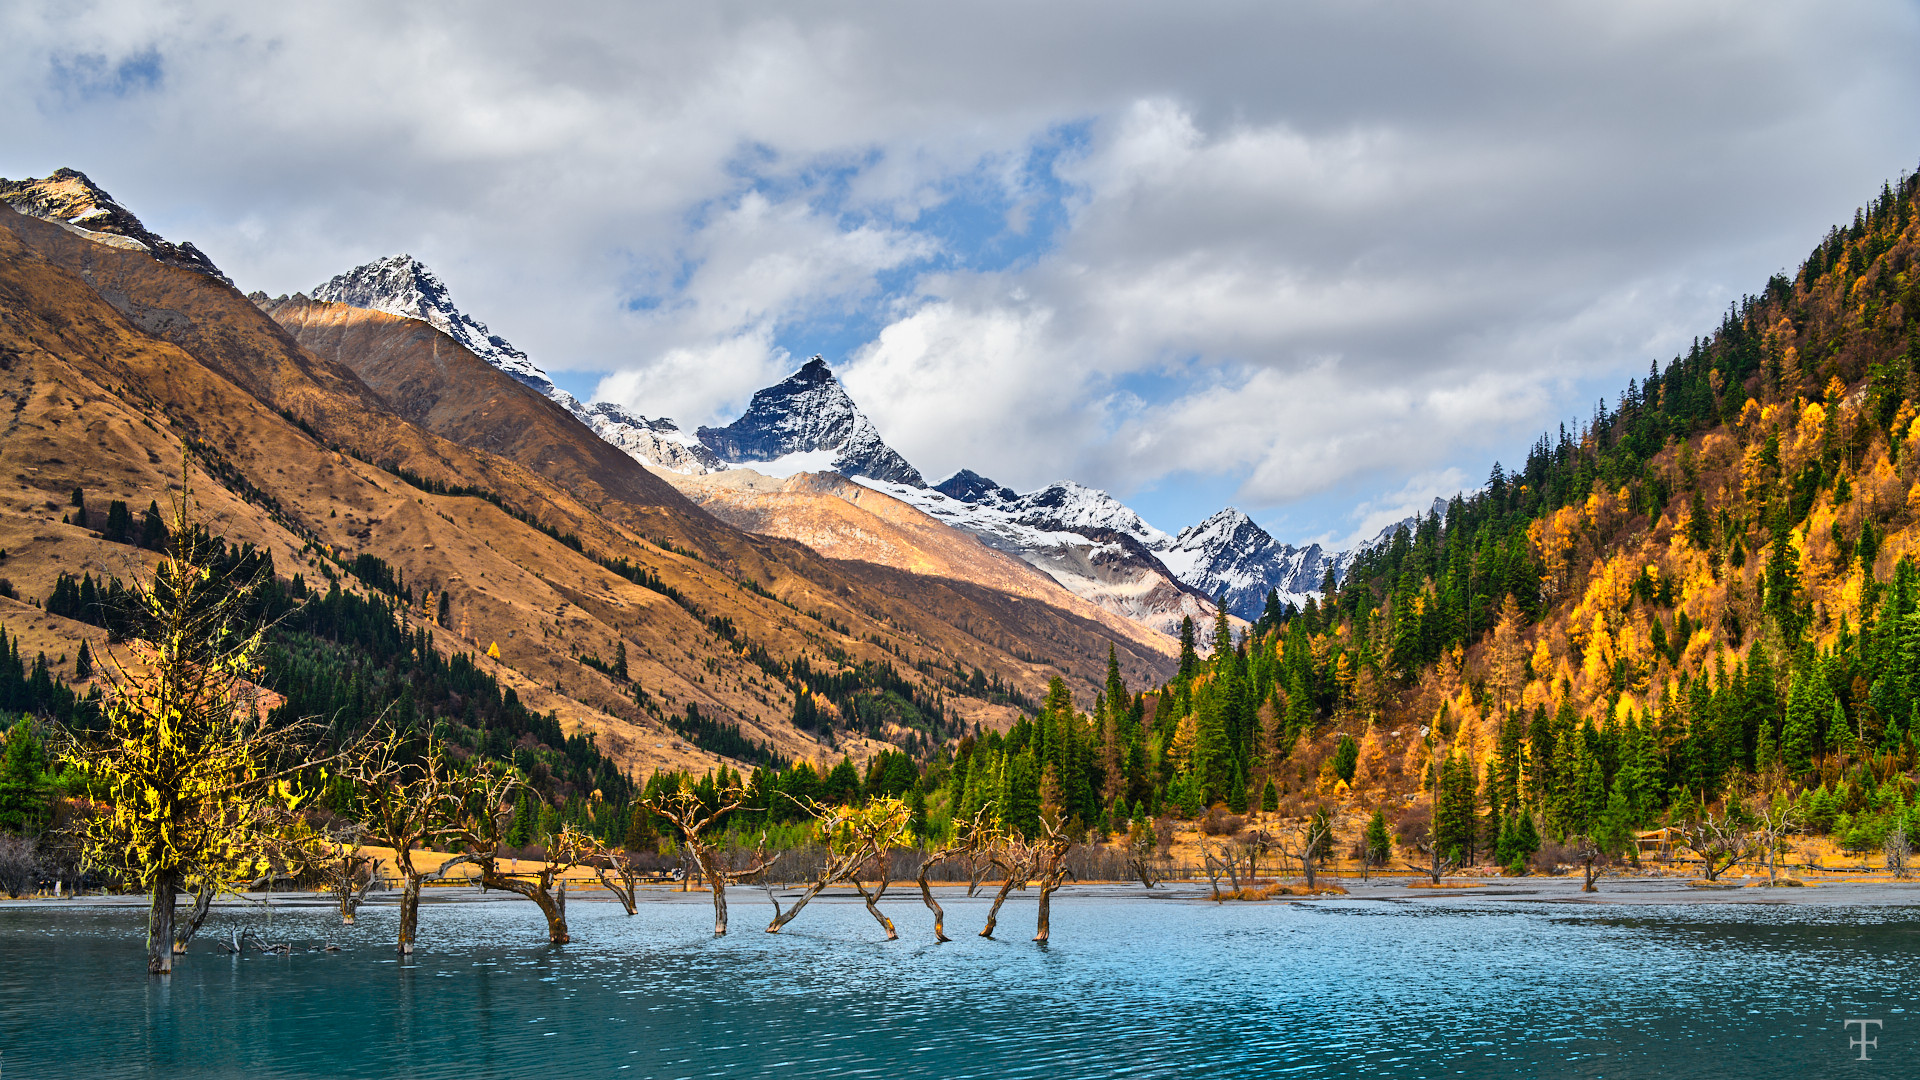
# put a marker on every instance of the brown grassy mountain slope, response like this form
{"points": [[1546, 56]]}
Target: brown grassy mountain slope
{"points": [[96, 401], [69, 366]]}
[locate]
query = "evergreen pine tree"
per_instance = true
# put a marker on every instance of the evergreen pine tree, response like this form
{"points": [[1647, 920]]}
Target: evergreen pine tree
{"points": [[917, 813], [1237, 790], [1346, 758], [1022, 799], [24, 807], [1212, 761], [1378, 845], [153, 528], [1804, 713], [641, 835], [1189, 659], [520, 833], [1270, 797]]}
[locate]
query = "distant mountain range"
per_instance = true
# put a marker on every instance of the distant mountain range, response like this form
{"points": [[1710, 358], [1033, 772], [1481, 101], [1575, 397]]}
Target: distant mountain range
{"points": [[1087, 540]]}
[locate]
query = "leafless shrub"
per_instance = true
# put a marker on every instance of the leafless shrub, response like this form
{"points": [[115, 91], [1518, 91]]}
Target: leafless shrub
{"points": [[1552, 856], [19, 865], [1412, 829], [1218, 822]]}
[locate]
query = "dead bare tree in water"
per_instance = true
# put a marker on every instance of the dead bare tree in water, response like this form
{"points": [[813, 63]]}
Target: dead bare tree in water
{"points": [[853, 836], [1218, 860], [1141, 843], [484, 801], [1721, 840], [693, 817], [1309, 845], [405, 805], [349, 870], [617, 873], [1015, 859], [1050, 867], [967, 844]]}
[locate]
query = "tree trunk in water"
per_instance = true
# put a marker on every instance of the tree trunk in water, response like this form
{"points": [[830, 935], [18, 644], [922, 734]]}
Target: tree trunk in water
{"points": [[1588, 887], [409, 914], [939, 916], [1046, 908], [160, 923], [202, 900], [873, 906], [782, 919], [719, 906], [556, 912], [993, 913]]}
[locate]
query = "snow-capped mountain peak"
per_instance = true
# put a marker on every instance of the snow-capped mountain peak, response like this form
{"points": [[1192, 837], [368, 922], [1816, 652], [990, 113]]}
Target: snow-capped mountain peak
{"points": [[807, 420], [403, 285], [1230, 557], [71, 200], [1073, 507]]}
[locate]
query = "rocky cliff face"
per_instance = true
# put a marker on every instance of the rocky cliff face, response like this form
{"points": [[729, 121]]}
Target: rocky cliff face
{"points": [[69, 199], [807, 420]]}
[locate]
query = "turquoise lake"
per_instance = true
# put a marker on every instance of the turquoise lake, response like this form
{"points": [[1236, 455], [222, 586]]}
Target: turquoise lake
{"points": [[1129, 987]]}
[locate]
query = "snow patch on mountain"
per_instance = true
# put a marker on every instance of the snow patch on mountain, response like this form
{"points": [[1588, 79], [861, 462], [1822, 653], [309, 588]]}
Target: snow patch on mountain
{"points": [[1085, 539], [658, 442]]}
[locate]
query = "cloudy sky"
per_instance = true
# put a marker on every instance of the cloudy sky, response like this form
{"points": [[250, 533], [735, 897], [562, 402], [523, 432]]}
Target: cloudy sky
{"points": [[1320, 261]]}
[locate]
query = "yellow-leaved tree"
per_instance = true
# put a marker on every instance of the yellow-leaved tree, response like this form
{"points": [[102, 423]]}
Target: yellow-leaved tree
{"points": [[200, 793]]}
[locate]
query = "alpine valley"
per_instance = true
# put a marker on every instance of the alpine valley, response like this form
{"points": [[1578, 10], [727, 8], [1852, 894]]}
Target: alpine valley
{"points": [[1706, 594]]}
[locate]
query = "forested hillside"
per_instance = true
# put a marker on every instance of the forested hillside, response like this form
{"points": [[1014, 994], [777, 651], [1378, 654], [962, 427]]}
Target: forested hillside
{"points": [[1700, 601], [1705, 590]]}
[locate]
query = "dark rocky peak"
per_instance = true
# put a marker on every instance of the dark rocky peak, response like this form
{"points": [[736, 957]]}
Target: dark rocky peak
{"points": [[970, 487], [809, 412], [70, 199]]}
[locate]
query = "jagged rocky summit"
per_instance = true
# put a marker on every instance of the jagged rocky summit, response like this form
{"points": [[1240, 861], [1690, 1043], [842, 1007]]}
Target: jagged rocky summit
{"points": [[1227, 558], [72, 201], [1238, 563], [807, 421]]}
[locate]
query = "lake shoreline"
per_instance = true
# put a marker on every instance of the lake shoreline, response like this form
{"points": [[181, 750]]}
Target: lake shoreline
{"points": [[1622, 890]]}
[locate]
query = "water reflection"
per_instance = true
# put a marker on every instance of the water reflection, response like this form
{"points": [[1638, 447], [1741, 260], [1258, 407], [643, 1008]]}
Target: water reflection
{"points": [[1126, 988]]}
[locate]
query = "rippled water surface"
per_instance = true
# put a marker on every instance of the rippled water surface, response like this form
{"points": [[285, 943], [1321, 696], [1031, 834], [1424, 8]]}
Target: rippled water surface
{"points": [[1128, 987]]}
